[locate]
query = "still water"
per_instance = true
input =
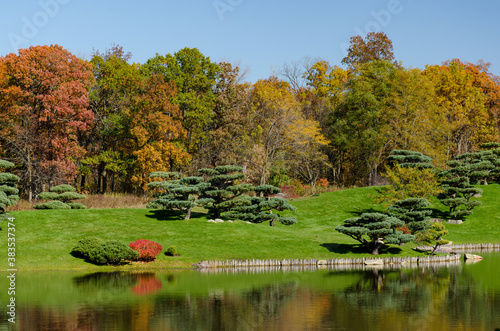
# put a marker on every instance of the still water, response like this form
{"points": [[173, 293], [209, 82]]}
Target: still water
{"points": [[454, 297]]}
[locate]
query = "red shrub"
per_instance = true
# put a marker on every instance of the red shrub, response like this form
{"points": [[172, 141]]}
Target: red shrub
{"points": [[148, 250], [322, 182], [404, 229]]}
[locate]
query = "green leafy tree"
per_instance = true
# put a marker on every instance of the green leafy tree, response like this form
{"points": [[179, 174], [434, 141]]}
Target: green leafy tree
{"points": [[263, 207], [176, 193], [195, 75], [62, 196], [434, 236], [116, 81], [224, 188], [412, 212], [374, 231], [410, 175], [8, 187]]}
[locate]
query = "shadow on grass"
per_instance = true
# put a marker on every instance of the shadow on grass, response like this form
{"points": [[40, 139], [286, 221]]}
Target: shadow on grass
{"points": [[359, 249], [171, 215], [359, 211], [437, 213]]}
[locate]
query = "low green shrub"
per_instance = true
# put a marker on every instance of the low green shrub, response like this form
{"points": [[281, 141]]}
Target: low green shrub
{"points": [[53, 205], [76, 205], [84, 246], [171, 251], [112, 252]]}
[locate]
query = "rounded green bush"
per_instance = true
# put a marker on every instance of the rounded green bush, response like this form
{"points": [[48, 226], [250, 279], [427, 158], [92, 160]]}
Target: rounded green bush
{"points": [[76, 205], [85, 245], [53, 205], [63, 188], [112, 252], [171, 251]]}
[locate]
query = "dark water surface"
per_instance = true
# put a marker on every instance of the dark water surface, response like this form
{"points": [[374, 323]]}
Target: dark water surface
{"points": [[455, 297]]}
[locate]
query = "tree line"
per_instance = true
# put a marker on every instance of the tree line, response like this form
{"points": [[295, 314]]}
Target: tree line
{"points": [[105, 124]]}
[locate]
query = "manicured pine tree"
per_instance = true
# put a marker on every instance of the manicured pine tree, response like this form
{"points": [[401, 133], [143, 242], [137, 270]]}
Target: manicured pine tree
{"points": [[457, 191], [375, 230], [263, 207], [412, 212], [176, 193], [62, 197], [409, 159], [223, 189], [8, 188]]}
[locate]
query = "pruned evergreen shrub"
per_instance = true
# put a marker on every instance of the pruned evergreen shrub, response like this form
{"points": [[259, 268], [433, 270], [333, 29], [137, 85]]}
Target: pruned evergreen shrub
{"points": [[84, 246], [112, 252], [53, 205], [62, 196]]}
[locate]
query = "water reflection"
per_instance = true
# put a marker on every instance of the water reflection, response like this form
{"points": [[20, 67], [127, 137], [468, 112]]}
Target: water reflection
{"points": [[457, 297]]}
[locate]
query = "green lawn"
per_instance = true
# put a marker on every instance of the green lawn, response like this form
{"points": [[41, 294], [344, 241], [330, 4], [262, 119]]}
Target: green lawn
{"points": [[44, 238]]}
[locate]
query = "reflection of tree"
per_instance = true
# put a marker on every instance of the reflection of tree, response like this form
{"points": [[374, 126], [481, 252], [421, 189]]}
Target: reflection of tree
{"points": [[148, 284], [224, 310], [471, 304], [412, 292]]}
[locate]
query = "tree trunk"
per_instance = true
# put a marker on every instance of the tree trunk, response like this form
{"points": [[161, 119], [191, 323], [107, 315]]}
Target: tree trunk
{"points": [[271, 223], [188, 214], [376, 248]]}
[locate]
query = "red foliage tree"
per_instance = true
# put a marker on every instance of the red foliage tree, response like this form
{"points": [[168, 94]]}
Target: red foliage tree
{"points": [[44, 107]]}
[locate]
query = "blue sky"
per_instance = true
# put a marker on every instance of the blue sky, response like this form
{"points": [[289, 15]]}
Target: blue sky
{"points": [[261, 35]]}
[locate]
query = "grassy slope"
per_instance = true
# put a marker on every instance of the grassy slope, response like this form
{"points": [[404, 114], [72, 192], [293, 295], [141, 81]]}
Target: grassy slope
{"points": [[44, 239]]}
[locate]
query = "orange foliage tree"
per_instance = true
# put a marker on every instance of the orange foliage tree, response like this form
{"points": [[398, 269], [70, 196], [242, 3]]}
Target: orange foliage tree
{"points": [[44, 105]]}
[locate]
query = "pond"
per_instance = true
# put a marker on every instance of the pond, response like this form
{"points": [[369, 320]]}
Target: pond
{"points": [[454, 297]]}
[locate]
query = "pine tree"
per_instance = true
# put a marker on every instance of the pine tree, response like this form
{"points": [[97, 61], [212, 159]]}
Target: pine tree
{"points": [[223, 188], [457, 191], [62, 197], [262, 207], [374, 231], [8, 188], [409, 159], [176, 193], [412, 212]]}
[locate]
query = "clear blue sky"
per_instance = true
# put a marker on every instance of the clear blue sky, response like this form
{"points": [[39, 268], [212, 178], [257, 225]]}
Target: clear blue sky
{"points": [[259, 34]]}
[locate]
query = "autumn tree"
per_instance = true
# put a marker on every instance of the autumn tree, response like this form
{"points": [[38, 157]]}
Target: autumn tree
{"points": [[375, 46], [273, 109], [154, 127], [464, 105], [358, 125], [304, 150], [45, 106], [115, 83], [410, 175], [415, 121], [326, 89], [194, 75], [227, 133]]}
